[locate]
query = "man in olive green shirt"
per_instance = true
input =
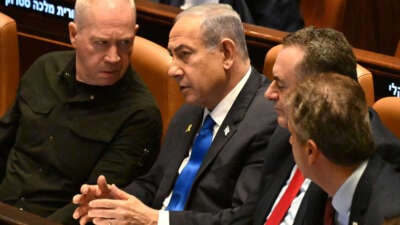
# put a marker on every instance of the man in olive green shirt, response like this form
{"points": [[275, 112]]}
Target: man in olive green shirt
{"points": [[79, 114]]}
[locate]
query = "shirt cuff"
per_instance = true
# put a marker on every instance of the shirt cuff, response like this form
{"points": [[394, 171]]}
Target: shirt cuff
{"points": [[163, 217]]}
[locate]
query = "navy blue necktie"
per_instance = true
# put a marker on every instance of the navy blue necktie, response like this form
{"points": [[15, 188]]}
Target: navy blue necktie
{"points": [[185, 179]]}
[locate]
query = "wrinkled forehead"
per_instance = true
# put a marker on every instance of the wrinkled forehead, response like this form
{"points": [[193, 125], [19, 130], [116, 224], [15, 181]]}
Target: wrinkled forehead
{"points": [[187, 30]]}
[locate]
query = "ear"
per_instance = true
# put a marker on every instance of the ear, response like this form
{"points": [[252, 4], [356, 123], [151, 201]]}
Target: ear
{"points": [[73, 31], [228, 48], [312, 152]]}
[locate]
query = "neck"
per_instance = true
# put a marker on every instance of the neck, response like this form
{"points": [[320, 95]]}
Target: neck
{"points": [[238, 71], [331, 177]]}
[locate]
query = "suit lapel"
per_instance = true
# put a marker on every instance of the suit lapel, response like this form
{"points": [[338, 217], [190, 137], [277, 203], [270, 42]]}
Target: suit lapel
{"points": [[232, 119], [312, 206], [182, 144], [363, 191], [191, 130]]}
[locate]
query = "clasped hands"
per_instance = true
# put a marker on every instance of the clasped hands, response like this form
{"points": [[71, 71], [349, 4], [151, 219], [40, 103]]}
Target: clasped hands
{"points": [[107, 204]]}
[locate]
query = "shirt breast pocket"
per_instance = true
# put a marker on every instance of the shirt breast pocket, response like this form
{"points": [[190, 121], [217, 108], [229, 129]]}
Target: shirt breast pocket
{"points": [[33, 123]]}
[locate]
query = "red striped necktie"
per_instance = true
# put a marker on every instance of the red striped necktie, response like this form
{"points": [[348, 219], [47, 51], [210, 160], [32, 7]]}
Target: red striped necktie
{"points": [[283, 205]]}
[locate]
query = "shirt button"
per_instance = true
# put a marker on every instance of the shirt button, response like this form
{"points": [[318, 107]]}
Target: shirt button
{"points": [[91, 97]]}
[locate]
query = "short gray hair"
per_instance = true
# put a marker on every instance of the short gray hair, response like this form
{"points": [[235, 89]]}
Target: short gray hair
{"points": [[219, 21]]}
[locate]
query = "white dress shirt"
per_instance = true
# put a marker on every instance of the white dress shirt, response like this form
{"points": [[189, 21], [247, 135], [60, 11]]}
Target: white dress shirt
{"points": [[218, 115]]}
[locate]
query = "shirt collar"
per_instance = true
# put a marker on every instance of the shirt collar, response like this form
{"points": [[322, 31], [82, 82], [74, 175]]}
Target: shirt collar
{"points": [[342, 199]]}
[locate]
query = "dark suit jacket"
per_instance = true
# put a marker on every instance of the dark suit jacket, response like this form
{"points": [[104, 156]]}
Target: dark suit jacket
{"points": [[232, 168], [377, 195], [278, 14], [279, 163], [276, 172]]}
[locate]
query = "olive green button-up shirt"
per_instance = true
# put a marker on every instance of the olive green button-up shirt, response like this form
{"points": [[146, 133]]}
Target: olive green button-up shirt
{"points": [[61, 133]]}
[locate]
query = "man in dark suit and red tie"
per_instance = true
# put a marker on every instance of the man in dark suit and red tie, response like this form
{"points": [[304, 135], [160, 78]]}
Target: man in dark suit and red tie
{"points": [[332, 144], [306, 52], [187, 185]]}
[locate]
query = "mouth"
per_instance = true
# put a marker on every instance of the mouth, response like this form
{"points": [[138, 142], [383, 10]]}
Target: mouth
{"points": [[183, 88], [278, 110], [108, 73]]}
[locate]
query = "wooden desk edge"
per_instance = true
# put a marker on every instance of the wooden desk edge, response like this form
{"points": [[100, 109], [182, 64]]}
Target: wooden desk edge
{"points": [[13, 216]]}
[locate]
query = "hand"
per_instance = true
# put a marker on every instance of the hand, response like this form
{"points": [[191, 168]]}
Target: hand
{"points": [[130, 210], [89, 193]]}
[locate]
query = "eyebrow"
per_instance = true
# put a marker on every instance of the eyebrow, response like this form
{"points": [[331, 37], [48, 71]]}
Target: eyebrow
{"points": [[179, 48], [105, 37], [276, 77]]}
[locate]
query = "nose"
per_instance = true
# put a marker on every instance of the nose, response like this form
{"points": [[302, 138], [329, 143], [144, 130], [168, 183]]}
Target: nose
{"points": [[174, 70], [112, 54], [272, 93]]}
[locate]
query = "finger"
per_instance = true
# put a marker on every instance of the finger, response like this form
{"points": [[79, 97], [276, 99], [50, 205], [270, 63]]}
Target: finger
{"points": [[81, 199], [103, 203], [84, 188], [109, 214], [88, 192], [76, 214], [80, 212], [101, 221], [84, 220], [102, 184], [77, 199], [117, 193]]}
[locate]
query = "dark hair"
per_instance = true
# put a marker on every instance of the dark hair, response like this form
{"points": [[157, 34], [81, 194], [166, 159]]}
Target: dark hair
{"points": [[326, 51]]}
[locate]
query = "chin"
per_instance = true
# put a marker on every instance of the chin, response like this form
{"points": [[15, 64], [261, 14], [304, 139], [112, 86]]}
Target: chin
{"points": [[110, 80], [190, 100], [189, 97], [282, 122], [106, 82]]}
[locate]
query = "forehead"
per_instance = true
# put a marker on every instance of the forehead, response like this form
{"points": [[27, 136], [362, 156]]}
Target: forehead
{"points": [[118, 29], [285, 67], [186, 31], [119, 15]]}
